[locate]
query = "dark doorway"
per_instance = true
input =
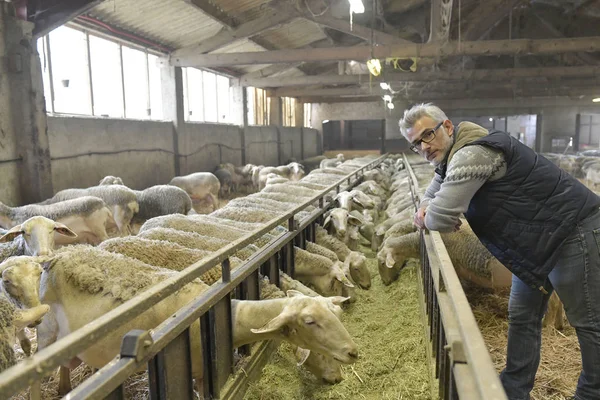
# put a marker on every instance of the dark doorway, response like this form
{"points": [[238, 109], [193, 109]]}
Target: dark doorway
{"points": [[353, 135]]}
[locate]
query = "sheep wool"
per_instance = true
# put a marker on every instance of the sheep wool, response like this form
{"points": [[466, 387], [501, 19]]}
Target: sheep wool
{"points": [[162, 200], [7, 315], [322, 251], [83, 206], [331, 243]]}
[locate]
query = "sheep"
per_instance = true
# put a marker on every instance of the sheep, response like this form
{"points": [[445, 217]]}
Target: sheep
{"points": [[471, 260], [293, 190], [159, 200], [102, 281], [20, 285], [34, 237], [225, 180], [193, 240], [322, 251], [272, 179], [217, 228], [257, 200], [118, 198], [86, 216], [201, 187], [12, 321], [111, 180], [343, 225], [357, 261], [296, 171], [322, 367], [247, 214], [325, 276]]}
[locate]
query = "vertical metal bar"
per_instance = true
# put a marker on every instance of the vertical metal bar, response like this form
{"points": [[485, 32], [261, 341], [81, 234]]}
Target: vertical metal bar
{"points": [[249, 291], [274, 270], [148, 102], [89, 63], [171, 370], [292, 226], [122, 81], [206, 342], [221, 348], [48, 51], [453, 393], [226, 270]]}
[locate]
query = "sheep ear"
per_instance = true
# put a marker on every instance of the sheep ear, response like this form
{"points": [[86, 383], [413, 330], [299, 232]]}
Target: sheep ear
{"points": [[354, 220], [302, 355], [327, 221], [64, 230], [342, 278], [275, 324], [389, 260], [11, 234], [23, 318], [338, 300]]}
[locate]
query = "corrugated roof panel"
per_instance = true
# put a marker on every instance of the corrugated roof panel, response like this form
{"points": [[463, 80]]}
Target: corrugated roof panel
{"points": [[298, 33], [172, 22], [246, 9]]}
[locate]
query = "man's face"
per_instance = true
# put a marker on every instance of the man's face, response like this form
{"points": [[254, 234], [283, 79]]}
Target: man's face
{"points": [[436, 149]]}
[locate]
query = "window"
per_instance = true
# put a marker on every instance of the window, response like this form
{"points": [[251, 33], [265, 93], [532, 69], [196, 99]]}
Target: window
{"points": [[192, 95], [259, 107], [135, 72], [106, 77], [85, 74], [156, 106], [43, 52], [210, 96], [223, 97], [288, 111], [68, 57], [307, 115]]}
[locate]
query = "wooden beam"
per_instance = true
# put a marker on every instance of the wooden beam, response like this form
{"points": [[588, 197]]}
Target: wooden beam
{"points": [[581, 87], [50, 17], [361, 53], [441, 14], [268, 71], [397, 77], [209, 8], [357, 30], [486, 16], [271, 20], [358, 99]]}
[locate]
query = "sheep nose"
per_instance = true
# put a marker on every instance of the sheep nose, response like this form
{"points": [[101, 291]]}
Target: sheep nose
{"points": [[353, 352]]}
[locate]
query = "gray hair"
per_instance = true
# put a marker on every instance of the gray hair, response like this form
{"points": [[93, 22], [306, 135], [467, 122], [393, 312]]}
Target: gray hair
{"points": [[418, 111]]}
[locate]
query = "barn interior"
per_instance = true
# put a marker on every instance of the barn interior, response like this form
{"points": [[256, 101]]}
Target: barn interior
{"points": [[148, 90]]}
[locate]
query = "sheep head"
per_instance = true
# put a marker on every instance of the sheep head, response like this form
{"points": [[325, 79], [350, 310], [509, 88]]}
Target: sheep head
{"points": [[38, 235], [310, 323]]}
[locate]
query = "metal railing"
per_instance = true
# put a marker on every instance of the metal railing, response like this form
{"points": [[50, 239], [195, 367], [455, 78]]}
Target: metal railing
{"points": [[169, 343], [463, 365]]}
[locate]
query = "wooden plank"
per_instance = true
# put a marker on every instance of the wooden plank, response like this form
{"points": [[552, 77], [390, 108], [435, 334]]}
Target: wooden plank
{"points": [[361, 53]]}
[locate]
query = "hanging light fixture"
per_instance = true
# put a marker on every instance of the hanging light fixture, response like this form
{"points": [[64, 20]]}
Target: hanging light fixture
{"points": [[356, 6], [390, 105], [384, 85]]}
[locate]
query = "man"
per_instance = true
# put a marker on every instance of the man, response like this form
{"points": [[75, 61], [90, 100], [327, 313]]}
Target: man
{"points": [[540, 222]]}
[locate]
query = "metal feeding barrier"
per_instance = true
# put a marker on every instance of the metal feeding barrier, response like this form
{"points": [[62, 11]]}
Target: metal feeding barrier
{"points": [[165, 350], [462, 363]]}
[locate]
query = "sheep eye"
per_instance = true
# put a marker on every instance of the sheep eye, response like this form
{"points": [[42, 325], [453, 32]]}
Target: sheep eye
{"points": [[310, 322]]}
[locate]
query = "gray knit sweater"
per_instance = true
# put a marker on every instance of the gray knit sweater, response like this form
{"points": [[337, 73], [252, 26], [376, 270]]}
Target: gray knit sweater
{"points": [[447, 199]]}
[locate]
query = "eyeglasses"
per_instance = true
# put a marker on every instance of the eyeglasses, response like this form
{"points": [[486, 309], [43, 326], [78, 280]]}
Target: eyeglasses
{"points": [[426, 137]]}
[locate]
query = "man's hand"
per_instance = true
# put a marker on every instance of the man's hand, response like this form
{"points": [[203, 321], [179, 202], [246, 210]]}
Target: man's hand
{"points": [[419, 218]]}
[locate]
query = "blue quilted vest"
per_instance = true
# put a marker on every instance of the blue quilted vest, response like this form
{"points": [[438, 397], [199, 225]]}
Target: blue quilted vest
{"points": [[524, 217]]}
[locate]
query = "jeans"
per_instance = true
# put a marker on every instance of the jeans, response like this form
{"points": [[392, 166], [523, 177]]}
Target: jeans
{"points": [[576, 279]]}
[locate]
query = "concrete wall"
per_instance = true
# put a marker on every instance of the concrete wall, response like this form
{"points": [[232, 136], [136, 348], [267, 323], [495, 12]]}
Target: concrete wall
{"points": [[291, 143], [9, 166], [203, 146], [261, 145], [558, 116], [312, 141], [142, 151]]}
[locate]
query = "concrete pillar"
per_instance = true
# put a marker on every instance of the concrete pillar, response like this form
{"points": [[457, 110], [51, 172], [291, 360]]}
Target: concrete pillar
{"points": [[239, 113], [276, 112], [22, 107], [171, 80], [299, 114]]}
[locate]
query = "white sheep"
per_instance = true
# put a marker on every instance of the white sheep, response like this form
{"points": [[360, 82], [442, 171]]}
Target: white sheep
{"points": [[202, 187], [325, 276], [193, 240], [102, 281], [34, 237], [343, 225], [121, 200], [357, 261], [111, 180], [13, 320], [86, 216]]}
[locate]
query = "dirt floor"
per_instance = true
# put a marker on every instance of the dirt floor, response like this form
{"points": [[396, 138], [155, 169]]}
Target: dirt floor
{"points": [[385, 324]]}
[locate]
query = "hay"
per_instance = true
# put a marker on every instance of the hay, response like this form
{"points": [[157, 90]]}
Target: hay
{"points": [[560, 363], [386, 325]]}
